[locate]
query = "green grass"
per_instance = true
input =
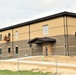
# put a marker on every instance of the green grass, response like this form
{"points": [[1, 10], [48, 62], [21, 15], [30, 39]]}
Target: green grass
{"points": [[7, 72]]}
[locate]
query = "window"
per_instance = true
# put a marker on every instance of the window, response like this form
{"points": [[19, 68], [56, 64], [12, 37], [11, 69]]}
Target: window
{"points": [[75, 33], [16, 50], [8, 34], [0, 37], [0, 51], [9, 50], [45, 29], [16, 35]]}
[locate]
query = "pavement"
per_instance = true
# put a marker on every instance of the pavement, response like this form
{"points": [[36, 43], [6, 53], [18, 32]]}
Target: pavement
{"points": [[38, 62]]}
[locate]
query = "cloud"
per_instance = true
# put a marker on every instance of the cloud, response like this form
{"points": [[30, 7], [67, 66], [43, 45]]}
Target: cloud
{"points": [[17, 11], [72, 8]]}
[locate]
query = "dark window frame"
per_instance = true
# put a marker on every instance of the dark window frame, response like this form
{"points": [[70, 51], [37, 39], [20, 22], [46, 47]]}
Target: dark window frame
{"points": [[9, 50], [1, 37], [16, 50], [0, 50], [8, 34]]}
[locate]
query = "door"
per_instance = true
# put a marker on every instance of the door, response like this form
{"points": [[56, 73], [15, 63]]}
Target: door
{"points": [[46, 49]]}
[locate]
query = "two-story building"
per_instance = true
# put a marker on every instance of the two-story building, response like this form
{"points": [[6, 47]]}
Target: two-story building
{"points": [[50, 35]]}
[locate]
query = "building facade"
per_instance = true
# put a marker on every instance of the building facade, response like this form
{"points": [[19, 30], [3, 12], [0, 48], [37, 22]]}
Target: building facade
{"points": [[51, 35]]}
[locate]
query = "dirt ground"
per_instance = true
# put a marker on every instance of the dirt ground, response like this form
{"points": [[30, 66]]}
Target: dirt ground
{"points": [[13, 66], [36, 68], [60, 59]]}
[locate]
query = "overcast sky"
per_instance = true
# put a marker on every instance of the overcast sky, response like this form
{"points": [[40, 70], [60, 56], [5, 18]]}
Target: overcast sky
{"points": [[17, 11]]}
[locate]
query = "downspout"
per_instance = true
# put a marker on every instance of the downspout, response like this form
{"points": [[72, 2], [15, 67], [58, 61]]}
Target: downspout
{"points": [[66, 49], [67, 37], [29, 43], [12, 43], [64, 36], [29, 32]]}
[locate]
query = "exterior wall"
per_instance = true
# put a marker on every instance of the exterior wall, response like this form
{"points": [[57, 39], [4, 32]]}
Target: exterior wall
{"points": [[72, 44], [23, 33], [56, 31], [4, 45], [23, 48], [58, 47], [6, 33], [36, 49], [22, 41], [55, 28], [71, 22]]}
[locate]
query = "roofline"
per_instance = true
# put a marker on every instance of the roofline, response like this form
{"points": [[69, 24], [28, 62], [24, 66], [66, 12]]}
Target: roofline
{"points": [[65, 13]]}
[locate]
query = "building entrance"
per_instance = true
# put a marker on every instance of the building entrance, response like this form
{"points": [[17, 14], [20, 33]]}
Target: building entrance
{"points": [[46, 49]]}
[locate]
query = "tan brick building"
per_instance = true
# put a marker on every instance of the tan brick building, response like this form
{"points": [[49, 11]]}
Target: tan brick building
{"points": [[50, 35]]}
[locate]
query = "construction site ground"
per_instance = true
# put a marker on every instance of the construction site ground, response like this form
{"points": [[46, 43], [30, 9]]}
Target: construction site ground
{"points": [[63, 65]]}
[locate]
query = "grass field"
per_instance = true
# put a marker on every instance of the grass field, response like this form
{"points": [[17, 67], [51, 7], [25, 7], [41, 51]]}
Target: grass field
{"points": [[7, 72]]}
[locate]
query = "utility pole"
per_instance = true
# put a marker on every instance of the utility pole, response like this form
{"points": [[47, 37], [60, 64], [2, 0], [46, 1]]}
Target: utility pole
{"points": [[18, 64], [56, 66]]}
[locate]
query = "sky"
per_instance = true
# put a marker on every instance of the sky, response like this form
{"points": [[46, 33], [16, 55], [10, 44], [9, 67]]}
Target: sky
{"points": [[13, 12]]}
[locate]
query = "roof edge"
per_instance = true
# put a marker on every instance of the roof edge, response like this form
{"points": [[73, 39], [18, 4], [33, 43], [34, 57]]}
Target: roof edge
{"points": [[65, 13]]}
